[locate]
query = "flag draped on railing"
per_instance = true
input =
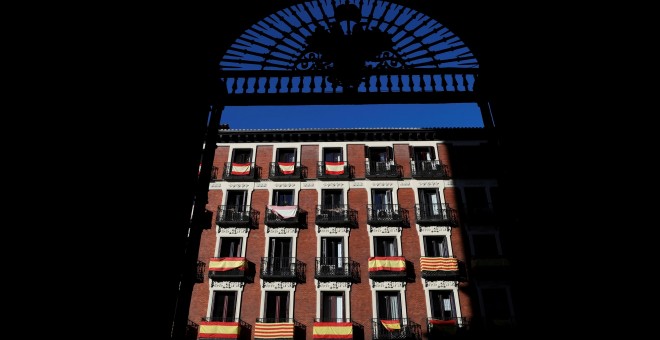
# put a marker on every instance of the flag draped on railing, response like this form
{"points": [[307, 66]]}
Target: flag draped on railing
{"points": [[284, 211], [438, 264], [391, 325], [227, 263], [333, 330], [286, 167], [217, 329], [392, 263], [240, 169], [334, 168], [275, 330]]}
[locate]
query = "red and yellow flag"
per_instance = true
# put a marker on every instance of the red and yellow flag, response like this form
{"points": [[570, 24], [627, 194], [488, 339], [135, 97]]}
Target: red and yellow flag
{"points": [[391, 325], [392, 263], [227, 263], [334, 168], [276, 330], [217, 329], [333, 330], [438, 263], [240, 168], [286, 167]]}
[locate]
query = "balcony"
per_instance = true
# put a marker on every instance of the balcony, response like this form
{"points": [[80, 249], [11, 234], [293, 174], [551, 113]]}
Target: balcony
{"points": [[285, 216], [387, 215], [429, 170], [278, 328], [286, 171], [240, 172], [336, 269], [282, 269], [435, 214], [236, 216], [231, 269], [495, 266], [387, 268], [334, 170], [199, 273], [442, 268], [383, 170], [334, 328], [337, 216], [438, 328], [214, 328], [402, 328]]}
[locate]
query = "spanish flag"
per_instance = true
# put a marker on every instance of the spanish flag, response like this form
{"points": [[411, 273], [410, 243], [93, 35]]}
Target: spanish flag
{"points": [[438, 264], [286, 167], [277, 330], [333, 330], [391, 263], [391, 325], [227, 263], [447, 326], [334, 168], [240, 169], [213, 329]]}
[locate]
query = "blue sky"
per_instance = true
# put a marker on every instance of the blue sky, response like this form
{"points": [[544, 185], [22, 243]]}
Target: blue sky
{"points": [[352, 116]]}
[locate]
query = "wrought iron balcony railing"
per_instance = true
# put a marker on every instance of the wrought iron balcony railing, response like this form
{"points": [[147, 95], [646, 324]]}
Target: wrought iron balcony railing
{"points": [[444, 327], [337, 215], [285, 328], [429, 169], [336, 269], [435, 214], [285, 216], [442, 268], [282, 269], [401, 328], [286, 171], [214, 328], [334, 170], [375, 170], [234, 171], [199, 273], [387, 214], [236, 216]]}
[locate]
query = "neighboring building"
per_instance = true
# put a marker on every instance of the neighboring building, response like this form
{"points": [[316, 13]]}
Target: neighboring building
{"points": [[353, 233]]}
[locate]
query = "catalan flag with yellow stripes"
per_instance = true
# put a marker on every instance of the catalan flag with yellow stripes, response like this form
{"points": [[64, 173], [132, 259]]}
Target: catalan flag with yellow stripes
{"points": [[217, 329], [391, 263], [227, 263], [275, 330], [333, 330], [438, 264]]}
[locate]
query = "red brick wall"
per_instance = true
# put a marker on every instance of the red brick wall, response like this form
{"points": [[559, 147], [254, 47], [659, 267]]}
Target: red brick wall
{"points": [[263, 159], [305, 294], [458, 247], [443, 156], [402, 157], [358, 250], [309, 158], [256, 248], [356, 159], [220, 158]]}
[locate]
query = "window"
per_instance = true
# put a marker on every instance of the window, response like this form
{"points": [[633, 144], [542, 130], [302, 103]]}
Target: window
{"points": [[283, 197], [332, 306], [332, 198], [388, 305], [423, 153], [279, 255], [332, 250], [496, 303], [224, 304], [442, 304], [381, 200], [436, 246], [236, 199], [242, 156], [332, 154], [385, 246], [230, 247], [286, 155], [484, 245], [277, 306], [379, 158], [429, 202]]}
